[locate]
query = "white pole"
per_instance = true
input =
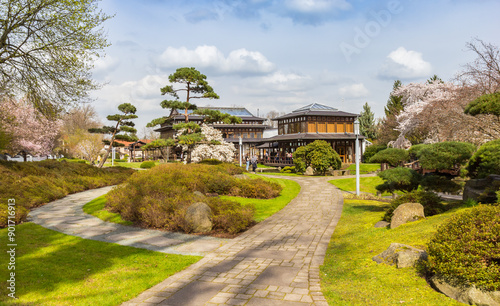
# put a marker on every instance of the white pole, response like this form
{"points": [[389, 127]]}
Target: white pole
{"points": [[357, 165], [113, 156], [240, 150]]}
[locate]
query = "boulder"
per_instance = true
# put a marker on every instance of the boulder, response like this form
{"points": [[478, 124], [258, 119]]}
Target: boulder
{"points": [[309, 171], [467, 295], [380, 224], [407, 212], [198, 217], [401, 255], [199, 194]]}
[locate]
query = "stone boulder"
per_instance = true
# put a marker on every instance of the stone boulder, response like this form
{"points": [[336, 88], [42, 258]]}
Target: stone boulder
{"points": [[468, 295], [198, 216], [474, 188], [407, 212], [309, 171], [199, 194], [401, 255], [381, 224]]}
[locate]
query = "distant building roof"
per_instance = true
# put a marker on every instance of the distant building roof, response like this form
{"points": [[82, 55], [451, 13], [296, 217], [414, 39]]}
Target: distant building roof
{"points": [[316, 109], [233, 111]]}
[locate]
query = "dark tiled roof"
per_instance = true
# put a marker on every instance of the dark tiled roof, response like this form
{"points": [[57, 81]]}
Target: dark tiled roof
{"points": [[316, 109], [233, 111]]}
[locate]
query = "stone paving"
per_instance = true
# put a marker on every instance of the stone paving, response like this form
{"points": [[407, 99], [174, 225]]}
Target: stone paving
{"points": [[66, 215], [274, 263]]}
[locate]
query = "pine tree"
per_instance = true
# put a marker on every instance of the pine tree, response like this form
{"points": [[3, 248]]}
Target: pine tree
{"points": [[367, 122], [394, 105]]}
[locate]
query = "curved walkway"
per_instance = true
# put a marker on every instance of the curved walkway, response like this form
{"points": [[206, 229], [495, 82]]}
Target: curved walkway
{"points": [[274, 263], [66, 216]]}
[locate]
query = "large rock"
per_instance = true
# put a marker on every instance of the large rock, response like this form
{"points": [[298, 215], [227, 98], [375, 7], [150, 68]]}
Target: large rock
{"points": [[407, 212], [474, 188], [381, 224], [401, 255], [309, 171], [198, 217], [469, 295]]}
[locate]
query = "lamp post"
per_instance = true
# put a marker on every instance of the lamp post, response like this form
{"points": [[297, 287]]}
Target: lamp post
{"points": [[356, 131], [241, 143]]}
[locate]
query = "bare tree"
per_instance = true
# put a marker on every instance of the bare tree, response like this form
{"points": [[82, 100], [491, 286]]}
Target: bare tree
{"points": [[271, 115]]}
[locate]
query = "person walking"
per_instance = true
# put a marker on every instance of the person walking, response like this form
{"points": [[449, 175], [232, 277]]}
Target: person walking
{"points": [[254, 163], [247, 160]]}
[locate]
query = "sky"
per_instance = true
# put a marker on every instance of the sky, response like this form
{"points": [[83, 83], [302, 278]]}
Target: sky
{"points": [[280, 55]]}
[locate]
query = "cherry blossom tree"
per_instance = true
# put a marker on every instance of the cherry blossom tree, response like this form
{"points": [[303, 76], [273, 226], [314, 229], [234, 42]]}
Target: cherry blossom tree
{"points": [[28, 129], [213, 146]]}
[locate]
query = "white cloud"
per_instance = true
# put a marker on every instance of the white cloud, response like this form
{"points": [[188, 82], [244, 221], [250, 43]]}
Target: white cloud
{"points": [[316, 6], [353, 91], [405, 64], [240, 61]]}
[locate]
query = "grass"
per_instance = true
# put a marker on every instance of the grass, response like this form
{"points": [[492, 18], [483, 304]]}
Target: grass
{"points": [[266, 208], [350, 277], [126, 165], [96, 209], [366, 184], [364, 168], [57, 269]]}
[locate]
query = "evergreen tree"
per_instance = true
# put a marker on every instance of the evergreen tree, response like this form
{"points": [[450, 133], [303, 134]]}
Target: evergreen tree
{"points": [[123, 125], [394, 105], [367, 122]]}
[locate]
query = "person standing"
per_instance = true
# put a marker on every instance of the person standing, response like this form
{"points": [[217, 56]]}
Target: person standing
{"points": [[247, 160], [254, 163]]}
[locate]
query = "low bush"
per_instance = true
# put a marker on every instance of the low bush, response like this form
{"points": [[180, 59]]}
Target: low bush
{"points": [[33, 184], [403, 179], [159, 198], [118, 160], [392, 156], [445, 155], [429, 200], [466, 249], [288, 169], [147, 164], [210, 161]]}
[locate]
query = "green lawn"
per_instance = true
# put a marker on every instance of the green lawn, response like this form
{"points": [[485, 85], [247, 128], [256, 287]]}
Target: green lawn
{"points": [[126, 165], [57, 269], [266, 208], [96, 209], [366, 184], [364, 168], [350, 277]]}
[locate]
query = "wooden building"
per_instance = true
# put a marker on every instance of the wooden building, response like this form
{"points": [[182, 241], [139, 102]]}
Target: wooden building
{"points": [[251, 129], [309, 123]]}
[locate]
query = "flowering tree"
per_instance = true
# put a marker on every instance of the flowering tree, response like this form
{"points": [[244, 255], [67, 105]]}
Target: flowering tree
{"points": [[28, 130], [90, 147], [213, 146]]}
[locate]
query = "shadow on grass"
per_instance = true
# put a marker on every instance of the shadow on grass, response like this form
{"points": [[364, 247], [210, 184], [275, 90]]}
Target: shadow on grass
{"points": [[367, 207]]}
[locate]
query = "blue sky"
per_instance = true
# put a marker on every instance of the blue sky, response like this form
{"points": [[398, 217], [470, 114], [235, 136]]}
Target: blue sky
{"points": [[283, 54]]}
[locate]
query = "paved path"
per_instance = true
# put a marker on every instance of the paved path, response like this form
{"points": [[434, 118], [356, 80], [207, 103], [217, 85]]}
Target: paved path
{"points": [[274, 263], [65, 215]]}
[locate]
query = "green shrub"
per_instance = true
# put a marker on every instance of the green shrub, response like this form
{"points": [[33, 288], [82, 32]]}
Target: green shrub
{"points": [[159, 197], [118, 160], [147, 164], [33, 184], [485, 104], [288, 169], [429, 200], [404, 179], [319, 155], [485, 161], [372, 150], [392, 156], [210, 161], [466, 249], [440, 183], [414, 150], [445, 155]]}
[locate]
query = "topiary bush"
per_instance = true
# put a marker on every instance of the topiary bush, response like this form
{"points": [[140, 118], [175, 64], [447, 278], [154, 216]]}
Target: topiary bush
{"points": [[429, 200], [288, 169], [445, 155], [394, 157], [465, 250], [372, 150], [319, 155], [147, 165], [485, 161], [403, 179]]}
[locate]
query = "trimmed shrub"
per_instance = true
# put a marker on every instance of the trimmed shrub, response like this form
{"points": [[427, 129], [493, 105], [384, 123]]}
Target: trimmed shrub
{"points": [[404, 179], [485, 161], [414, 150], [429, 200], [33, 184], [147, 164], [372, 150], [159, 197], [288, 169], [465, 250], [445, 155], [392, 156], [117, 160], [319, 155], [485, 104]]}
